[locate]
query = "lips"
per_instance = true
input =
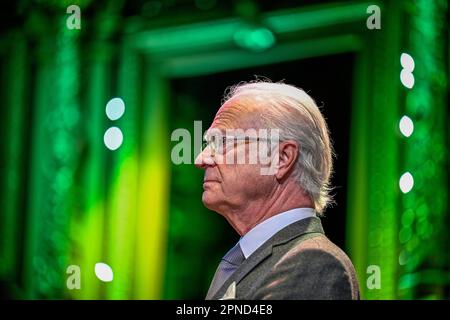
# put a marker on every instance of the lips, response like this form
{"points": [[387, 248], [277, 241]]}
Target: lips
{"points": [[207, 184], [207, 178], [210, 176]]}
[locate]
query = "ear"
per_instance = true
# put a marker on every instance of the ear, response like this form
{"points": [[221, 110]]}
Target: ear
{"points": [[287, 157]]}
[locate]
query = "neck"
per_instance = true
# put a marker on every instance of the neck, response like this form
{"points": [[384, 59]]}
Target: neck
{"points": [[254, 212]]}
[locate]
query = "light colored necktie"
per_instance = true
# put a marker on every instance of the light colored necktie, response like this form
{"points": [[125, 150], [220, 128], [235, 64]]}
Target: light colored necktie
{"points": [[230, 262]]}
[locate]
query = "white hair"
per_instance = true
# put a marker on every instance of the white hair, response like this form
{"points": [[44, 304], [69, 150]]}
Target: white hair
{"points": [[298, 118]]}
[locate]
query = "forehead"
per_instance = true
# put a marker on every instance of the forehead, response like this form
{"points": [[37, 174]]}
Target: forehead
{"points": [[228, 115], [234, 114]]}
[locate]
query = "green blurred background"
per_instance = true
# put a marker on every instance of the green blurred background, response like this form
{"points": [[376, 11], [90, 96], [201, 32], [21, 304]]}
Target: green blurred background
{"points": [[67, 199]]}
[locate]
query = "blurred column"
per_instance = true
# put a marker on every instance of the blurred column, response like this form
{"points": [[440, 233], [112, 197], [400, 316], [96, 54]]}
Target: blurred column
{"points": [[423, 234]]}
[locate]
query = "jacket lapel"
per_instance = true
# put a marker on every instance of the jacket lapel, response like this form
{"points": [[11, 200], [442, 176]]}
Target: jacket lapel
{"points": [[304, 226]]}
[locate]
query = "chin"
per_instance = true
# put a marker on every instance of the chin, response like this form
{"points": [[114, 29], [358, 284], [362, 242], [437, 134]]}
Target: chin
{"points": [[209, 200]]}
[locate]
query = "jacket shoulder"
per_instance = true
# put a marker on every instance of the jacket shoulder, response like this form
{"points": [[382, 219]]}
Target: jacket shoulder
{"points": [[322, 246], [310, 267]]}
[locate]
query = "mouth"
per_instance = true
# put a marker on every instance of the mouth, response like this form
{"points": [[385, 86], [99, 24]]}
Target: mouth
{"points": [[206, 183]]}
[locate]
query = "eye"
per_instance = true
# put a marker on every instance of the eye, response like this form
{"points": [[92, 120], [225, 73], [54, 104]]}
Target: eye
{"points": [[218, 144]]}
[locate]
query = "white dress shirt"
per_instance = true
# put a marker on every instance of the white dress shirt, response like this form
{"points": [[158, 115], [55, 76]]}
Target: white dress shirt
{"points": [[262, 232]]}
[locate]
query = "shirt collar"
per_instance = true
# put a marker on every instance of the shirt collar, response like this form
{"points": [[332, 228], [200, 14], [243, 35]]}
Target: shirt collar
{"points": [[262, 232]]}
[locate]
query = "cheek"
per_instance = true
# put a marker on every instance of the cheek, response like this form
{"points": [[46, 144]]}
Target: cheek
{"points": [[244, 178]]}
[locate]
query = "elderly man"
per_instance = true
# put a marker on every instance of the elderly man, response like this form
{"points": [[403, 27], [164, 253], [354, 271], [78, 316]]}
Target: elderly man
{"points": [[283, 252]]}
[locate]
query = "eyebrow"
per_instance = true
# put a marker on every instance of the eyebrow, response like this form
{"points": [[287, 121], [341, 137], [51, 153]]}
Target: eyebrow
{"points": [[206, 135]]}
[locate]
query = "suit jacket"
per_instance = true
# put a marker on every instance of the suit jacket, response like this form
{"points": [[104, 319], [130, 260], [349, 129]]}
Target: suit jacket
{"points": [[298, 262]]}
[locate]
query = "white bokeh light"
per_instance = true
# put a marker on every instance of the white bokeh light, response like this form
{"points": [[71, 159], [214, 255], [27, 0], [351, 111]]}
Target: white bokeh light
{"points": [[115, 108], [104, 272], [113, 138], [406, 182], [407, 78], [406, 126], [407, 62]]}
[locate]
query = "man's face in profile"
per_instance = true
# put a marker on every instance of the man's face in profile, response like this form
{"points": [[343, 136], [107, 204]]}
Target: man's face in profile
{"points": [[229, 185]]}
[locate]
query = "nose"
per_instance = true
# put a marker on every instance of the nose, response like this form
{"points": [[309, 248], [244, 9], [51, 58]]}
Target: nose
{"points": [[204, 159]]}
